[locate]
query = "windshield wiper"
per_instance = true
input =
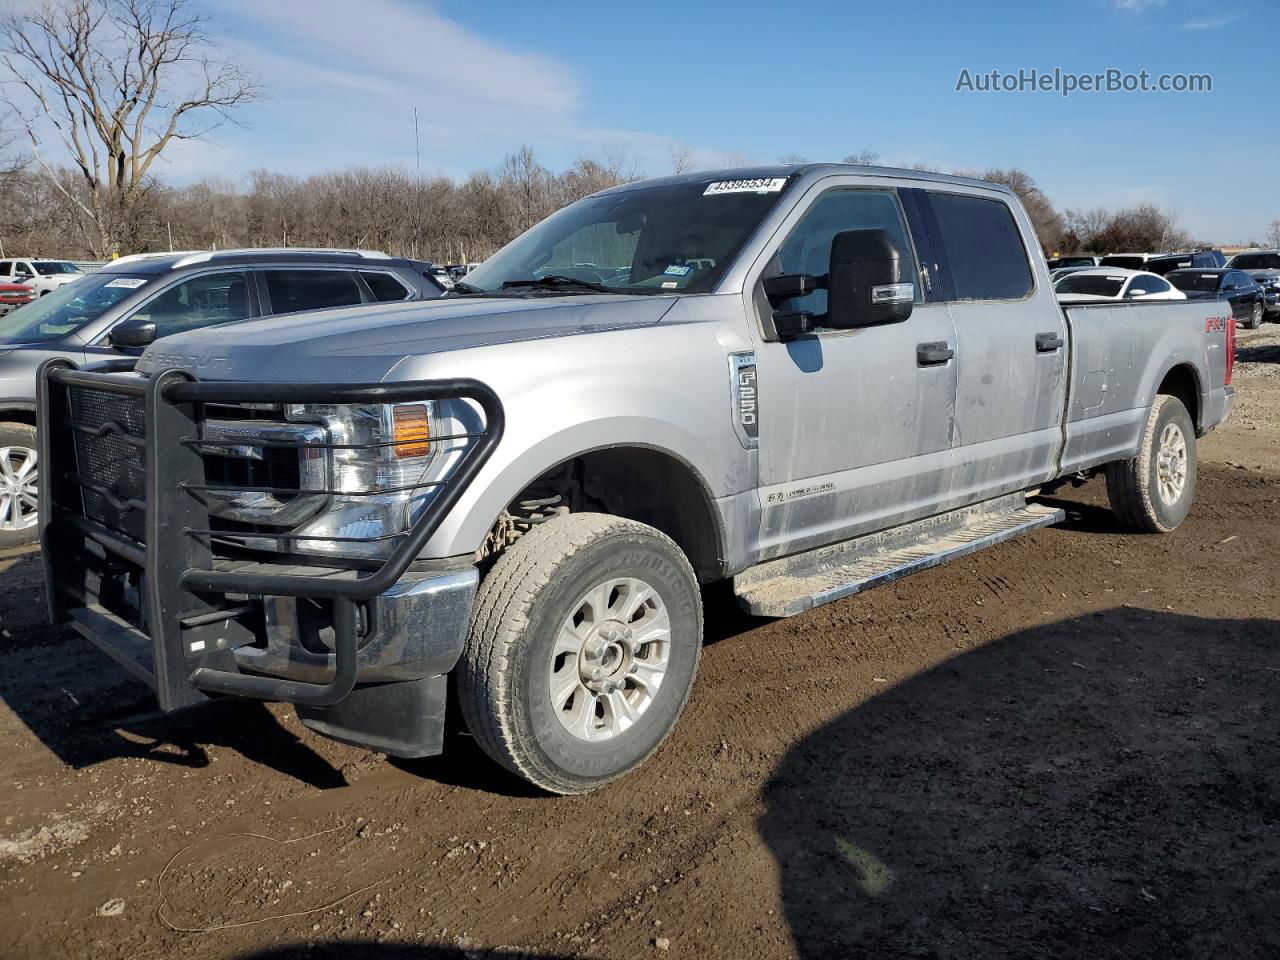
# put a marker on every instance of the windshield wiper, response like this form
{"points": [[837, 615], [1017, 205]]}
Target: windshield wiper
{"points": [[555, 280], [465, 287]]}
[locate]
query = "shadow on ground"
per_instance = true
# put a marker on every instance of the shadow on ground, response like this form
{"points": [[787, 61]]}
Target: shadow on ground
{"points": [[1106, 786]]}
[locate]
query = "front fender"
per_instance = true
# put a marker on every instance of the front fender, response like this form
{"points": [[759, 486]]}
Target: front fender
{"points": [[464, 530]]}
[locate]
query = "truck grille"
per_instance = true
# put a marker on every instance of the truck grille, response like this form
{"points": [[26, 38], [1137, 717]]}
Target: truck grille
{"points": [[112, 469]]}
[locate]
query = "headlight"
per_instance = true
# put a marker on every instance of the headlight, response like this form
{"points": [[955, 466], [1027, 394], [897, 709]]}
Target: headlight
{"points": [[386, 467]]}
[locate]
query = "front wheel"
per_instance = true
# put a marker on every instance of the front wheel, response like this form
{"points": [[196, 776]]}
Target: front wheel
{"points": [[584, 641], [1153, 491], [19, 496]]}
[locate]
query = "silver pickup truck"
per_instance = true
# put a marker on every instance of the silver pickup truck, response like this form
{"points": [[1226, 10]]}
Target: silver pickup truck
{"points": [[807, 379]]}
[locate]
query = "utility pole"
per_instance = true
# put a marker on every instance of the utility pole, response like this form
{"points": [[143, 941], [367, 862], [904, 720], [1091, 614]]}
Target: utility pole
{"points": [[417, 183]]}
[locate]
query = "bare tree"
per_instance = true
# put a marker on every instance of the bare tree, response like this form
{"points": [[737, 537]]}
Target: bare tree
{"points": [[863, 158], [681, 159], [1273, 233], [119, 81]]}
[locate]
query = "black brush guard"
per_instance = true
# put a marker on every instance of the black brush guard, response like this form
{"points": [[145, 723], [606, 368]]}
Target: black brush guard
{"points": [[191, 626]]}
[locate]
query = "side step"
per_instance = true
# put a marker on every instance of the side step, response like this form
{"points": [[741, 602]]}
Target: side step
{"points": [[791, 585]]}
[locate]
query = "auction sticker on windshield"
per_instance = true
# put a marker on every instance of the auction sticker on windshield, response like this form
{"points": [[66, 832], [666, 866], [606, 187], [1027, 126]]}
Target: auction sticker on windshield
{"points": [[757, 185], [129, 283]]}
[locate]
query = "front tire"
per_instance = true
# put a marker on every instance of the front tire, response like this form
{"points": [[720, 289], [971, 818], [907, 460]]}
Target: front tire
{"points": [[1153, 492], [584, 641], [18, 492]]}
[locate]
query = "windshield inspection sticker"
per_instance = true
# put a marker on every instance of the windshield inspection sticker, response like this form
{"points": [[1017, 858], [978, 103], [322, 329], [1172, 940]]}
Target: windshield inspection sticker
{"points": [[758, 185], [676, 270], [129, 283]]}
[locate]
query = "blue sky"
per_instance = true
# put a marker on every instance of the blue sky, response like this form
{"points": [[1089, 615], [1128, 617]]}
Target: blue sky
{"points": [[753, 82]]}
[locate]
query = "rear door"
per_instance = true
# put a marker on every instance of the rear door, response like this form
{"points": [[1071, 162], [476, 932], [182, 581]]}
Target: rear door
{"points": [[1011, 345]]}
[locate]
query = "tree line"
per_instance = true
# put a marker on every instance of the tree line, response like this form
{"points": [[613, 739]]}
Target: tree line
{"points": [[111, 84]]}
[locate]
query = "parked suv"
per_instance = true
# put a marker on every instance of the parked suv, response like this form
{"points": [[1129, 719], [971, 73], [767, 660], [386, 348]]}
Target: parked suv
{"points": [[120, 309], [42, 276], [1200, 259]]}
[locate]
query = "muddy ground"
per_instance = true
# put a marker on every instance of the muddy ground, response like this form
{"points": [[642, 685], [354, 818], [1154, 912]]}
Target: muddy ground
{"points": [[1062, 747]]}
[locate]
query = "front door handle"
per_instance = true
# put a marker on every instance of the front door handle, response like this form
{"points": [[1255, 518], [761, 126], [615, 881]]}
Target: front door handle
{"points": [[1048, 342], [932, 354]]}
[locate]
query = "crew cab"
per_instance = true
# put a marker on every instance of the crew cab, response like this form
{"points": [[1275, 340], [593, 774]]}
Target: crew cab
{"points": [[807, 380]]}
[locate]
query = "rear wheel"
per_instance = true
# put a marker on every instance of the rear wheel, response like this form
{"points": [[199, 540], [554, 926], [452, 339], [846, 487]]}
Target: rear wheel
{"points": [[1255, 315], [19, 498], [1153, 491], [584, 641]]}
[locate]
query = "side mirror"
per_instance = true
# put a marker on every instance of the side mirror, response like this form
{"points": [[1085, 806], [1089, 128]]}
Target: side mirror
{"points": [[869, 282], [1135, 293], [134, 333]]}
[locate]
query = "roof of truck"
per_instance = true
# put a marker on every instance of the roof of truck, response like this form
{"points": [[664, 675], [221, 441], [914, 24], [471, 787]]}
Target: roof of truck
{"points": [[789, 170]]}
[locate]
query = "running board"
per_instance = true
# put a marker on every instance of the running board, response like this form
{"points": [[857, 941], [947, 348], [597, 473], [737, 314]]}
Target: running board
{"points": [[791, 585]]}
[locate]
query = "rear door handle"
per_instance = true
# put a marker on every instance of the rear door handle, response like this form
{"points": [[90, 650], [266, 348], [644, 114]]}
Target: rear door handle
{"points": [[1048, 342], [932, 354]]}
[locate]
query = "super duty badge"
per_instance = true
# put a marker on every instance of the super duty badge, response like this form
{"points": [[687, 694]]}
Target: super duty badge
{"points": [[746, 398]]}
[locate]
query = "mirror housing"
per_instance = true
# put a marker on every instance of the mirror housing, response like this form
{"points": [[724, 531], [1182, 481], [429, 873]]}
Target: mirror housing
{"points": [[1134, 294], [133, 334], [788, 285], [869, 282]]}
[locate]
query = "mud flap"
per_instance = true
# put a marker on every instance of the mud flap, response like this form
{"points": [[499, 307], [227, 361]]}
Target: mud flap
{"points": [[403, 719]]}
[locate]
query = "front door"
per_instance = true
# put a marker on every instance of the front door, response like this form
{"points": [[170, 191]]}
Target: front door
{"points": [[854, 425]]}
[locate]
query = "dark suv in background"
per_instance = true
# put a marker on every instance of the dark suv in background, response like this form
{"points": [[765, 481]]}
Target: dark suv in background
{"points": [[1264, 267], [134, 300]]}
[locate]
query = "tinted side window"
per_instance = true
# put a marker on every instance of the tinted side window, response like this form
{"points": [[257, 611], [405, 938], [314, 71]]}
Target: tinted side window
{"points": [[6, 268], [198, 302], [294, 290], [807, 249], [22, 270], [1243, 279], [385, 287], [983, 246]]}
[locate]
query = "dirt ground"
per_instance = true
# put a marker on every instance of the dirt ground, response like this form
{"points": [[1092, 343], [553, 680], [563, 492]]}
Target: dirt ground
{"points": [[1062, 747]]}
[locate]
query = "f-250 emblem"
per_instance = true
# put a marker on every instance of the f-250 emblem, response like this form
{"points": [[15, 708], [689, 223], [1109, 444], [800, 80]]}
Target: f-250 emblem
{"points": [[746, 398]]}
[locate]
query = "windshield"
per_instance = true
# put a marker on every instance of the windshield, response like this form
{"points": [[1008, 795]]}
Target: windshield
{"points": [[1121, 260], [1256, 261], [47, 268], [662, 239], [1191, 280], [1091, 284], [67, 308]]}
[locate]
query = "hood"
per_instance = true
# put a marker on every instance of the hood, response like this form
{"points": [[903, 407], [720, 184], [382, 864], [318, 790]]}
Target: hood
{"points": [[1264, 273], [1201, 294], [363, 343]]}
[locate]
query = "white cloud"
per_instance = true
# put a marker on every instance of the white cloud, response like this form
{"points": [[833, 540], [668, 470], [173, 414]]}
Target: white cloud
{"points": [[1210, 23], [341, 90], [1138, 4]]}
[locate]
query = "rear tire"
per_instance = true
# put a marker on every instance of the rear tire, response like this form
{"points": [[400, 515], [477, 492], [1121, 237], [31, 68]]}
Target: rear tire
{"points": [[19, 525], [1153, 492], [1255, 316], [584, 641]]}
